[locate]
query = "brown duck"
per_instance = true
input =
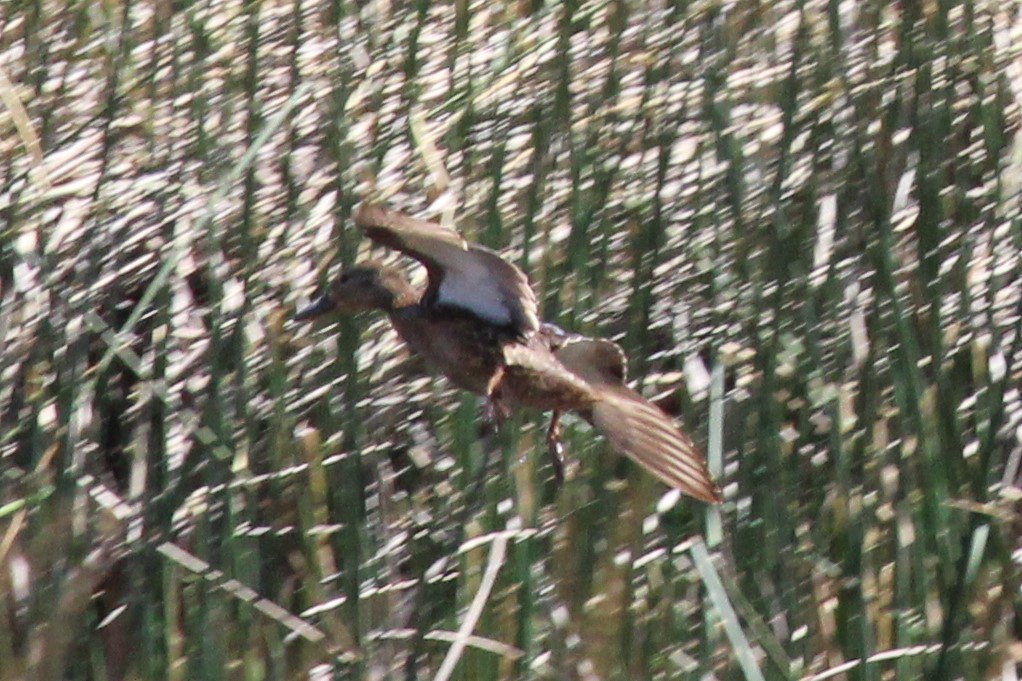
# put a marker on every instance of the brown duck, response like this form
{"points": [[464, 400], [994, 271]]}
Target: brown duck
{"points": [[477, 324]]}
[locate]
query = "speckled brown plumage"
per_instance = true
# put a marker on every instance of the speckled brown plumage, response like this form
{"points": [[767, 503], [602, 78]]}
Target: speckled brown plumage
{"points": [[485, 337]]}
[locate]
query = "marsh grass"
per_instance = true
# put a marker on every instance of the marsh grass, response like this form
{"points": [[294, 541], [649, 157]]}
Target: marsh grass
{"points": [[800, 219]]}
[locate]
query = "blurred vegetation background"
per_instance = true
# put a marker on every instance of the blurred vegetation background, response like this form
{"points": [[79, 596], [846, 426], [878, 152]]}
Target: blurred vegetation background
{"points": [[800, 218]]}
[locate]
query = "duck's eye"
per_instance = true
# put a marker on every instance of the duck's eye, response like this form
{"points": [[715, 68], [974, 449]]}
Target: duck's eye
{"points": [[345, 277]]}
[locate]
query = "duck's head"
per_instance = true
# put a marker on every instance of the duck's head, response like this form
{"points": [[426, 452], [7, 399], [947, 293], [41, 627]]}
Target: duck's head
{"points": [[368, 285]]}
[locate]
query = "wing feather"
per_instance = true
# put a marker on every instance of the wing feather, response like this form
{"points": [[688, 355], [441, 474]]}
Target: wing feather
{"points": [[635, 427], [461, 274]]}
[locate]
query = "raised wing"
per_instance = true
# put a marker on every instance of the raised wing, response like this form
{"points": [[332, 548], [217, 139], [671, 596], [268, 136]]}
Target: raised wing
{"points": [[461, 274]]}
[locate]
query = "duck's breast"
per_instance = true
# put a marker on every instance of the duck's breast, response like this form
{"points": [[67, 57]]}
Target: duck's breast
{"points": [[461, 347]]}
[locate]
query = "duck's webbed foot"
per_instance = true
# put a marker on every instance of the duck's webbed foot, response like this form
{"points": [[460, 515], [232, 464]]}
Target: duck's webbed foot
{"points": [[495, 412], [555, 447]]}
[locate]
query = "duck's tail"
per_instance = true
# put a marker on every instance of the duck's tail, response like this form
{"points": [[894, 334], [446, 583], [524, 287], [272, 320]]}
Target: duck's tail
{"points": [[646, 435]]}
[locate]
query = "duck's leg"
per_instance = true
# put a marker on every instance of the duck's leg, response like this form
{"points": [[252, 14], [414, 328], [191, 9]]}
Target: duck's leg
{"points": [[495, 412], [555, 447]]}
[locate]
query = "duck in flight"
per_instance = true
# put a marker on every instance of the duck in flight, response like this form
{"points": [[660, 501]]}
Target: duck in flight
{"points": [[477, 323]]}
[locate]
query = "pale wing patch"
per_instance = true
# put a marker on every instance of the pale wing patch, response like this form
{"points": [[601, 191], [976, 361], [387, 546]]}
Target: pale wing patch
{"points": [[489, 286], [470, 276]]}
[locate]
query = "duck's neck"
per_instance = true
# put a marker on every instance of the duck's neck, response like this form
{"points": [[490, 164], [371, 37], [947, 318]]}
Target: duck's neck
{"points": [[411, 321], [404, 297]]}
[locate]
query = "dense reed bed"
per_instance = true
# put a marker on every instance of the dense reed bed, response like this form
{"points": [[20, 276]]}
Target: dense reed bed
{"points": [[801, 219]]}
